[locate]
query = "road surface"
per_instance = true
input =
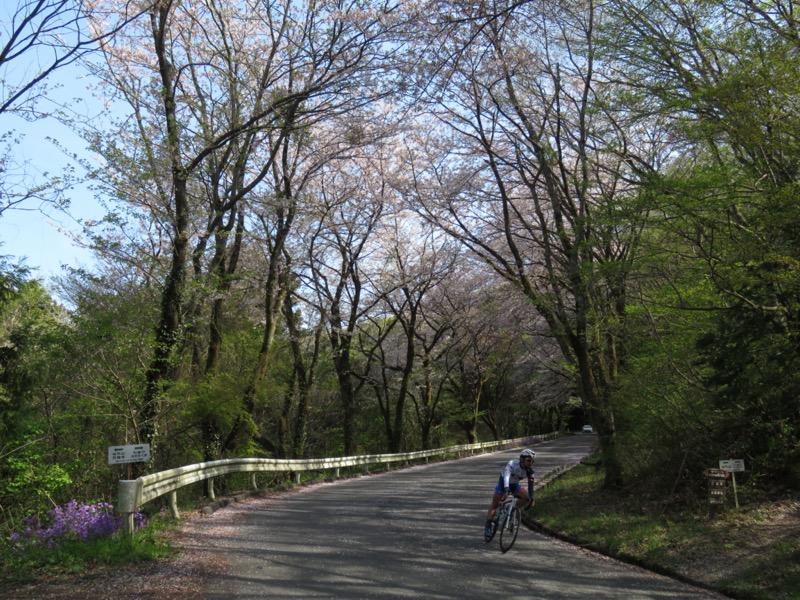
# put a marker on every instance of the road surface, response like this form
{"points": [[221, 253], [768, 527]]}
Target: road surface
{"points": [[417, 533]]}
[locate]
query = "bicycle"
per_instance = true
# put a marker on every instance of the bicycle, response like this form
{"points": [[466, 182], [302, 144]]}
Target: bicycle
{"points": [[508, 522]]}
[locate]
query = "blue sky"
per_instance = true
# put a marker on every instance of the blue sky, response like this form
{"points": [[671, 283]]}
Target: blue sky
{"points": [[44, 240]]}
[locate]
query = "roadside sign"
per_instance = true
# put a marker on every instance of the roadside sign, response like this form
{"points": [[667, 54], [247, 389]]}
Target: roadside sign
{"points": [[716, 486], [118, 455], [732, 465]]}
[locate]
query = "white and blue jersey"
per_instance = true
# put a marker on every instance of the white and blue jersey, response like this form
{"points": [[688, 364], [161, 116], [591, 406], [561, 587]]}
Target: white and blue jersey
{"points": [[512, 476]]}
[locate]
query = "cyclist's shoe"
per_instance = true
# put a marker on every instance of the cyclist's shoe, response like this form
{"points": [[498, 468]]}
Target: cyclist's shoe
{"points": [[488, 533]]}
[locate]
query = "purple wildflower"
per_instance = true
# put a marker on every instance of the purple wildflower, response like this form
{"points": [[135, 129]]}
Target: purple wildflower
{"points": [[73, 520]]}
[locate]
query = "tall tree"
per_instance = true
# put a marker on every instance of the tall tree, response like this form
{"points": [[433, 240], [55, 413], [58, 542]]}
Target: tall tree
{"points": [[303, 374], [415, 264], [338, 246], [312, 61], [723, 75], [540, 185]]}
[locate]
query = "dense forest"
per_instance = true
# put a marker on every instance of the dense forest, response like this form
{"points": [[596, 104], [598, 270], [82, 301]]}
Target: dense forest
{"points": [[355, 226]]}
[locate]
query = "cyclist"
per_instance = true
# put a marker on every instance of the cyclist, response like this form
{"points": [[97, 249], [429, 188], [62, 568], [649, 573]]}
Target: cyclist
{"points": [[511, 476]]}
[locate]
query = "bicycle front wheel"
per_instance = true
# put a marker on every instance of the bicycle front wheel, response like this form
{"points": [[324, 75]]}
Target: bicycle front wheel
{"points": [[509, 530]]}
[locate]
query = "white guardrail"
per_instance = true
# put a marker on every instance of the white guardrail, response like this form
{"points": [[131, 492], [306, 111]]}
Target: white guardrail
{"points": [[134, 493]]}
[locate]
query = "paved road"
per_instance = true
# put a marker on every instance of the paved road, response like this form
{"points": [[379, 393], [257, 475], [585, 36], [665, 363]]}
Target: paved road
{"points": [[418, 533]]}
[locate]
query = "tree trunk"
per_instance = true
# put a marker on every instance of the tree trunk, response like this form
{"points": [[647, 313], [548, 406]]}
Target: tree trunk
{"points": [[341, 342], [302, 377], [341, 363], [162, 365]]}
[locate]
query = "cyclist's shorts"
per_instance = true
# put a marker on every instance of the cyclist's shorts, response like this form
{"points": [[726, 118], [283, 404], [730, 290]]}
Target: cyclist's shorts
{"points": [[500, 487]]}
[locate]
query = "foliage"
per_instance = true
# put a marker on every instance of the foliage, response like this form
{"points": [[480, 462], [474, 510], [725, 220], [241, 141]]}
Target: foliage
{"points": [[31, 325], [215, 404], [32, 329], [754, 374], [665, 420], [29, 481], [722, 238]]}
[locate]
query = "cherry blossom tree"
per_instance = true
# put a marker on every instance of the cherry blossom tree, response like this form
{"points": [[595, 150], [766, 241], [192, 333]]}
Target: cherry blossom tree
{"points": [[417, 258], [335, 271], [537, 177], [216, 92]]}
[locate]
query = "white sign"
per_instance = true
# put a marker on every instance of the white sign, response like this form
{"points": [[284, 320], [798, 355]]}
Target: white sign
{"points": [[732, 465], [118, 455]]}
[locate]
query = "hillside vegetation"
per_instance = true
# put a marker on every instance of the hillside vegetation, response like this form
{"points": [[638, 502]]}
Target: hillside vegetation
{"points": [[749, 553]]}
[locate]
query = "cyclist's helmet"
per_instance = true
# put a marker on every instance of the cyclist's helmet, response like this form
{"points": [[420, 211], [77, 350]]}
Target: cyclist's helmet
{"points": [[527, 453]]}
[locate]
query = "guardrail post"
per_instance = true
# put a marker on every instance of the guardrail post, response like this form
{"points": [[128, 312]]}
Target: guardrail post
{"points": [[297, 477], [127, 523], [173, 505], [129, 498], [253, 481], [210, 489]]}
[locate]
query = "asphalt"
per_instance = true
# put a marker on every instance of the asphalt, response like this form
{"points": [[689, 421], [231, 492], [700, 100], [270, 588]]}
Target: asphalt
{"points": [[418, 533]]}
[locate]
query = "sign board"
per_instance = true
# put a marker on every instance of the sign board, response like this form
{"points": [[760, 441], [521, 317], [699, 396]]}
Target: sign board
{"points": [[732, 465], [118, 455], [717, 480]]}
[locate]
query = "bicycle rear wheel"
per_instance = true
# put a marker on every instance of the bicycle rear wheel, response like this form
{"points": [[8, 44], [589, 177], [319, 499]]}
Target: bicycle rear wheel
{"points": [[509, 530]]}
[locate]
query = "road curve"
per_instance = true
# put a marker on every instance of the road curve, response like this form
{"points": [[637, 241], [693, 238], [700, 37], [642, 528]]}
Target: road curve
{"points": [[417, 533]]}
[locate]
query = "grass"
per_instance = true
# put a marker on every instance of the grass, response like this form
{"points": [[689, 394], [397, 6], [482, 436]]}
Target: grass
{"points": [[750, 554]]}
